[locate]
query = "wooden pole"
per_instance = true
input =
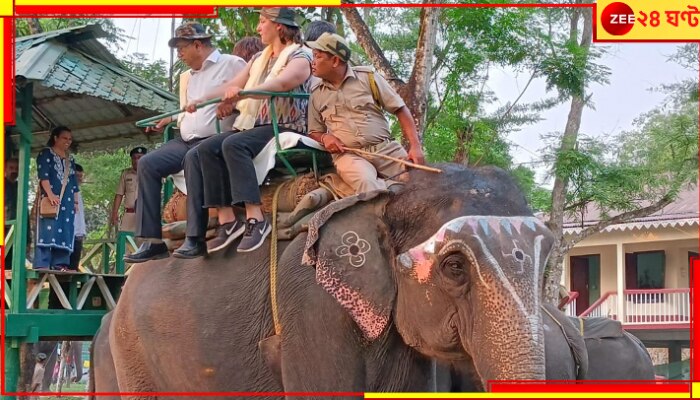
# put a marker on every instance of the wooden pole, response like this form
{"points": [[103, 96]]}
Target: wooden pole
{"points": [[398, 160]]}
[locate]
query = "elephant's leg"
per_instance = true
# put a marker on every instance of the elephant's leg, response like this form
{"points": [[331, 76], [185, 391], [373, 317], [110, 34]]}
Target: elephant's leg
{"points": [[129, 356], [300, 226], [77, 350], [310, 202], [48, 348], [103, 376]]}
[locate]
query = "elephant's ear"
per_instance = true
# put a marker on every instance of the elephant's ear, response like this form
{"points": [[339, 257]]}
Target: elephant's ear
{"points": [[348, 244]]}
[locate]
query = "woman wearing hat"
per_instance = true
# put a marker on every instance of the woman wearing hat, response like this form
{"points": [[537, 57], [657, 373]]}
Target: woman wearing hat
{"points": [[283, 66]]}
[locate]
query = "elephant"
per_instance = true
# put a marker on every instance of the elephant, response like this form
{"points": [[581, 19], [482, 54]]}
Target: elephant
{"points": [[103, 376], [449, 267], [578, 349], [613, 353]]}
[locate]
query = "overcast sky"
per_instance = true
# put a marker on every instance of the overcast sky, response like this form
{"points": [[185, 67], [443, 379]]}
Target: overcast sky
{"points": [[635, 69]]}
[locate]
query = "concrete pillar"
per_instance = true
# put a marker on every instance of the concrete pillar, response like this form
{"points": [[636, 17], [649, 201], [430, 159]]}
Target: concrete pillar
{"points": [[620, 282], [675, 368]]}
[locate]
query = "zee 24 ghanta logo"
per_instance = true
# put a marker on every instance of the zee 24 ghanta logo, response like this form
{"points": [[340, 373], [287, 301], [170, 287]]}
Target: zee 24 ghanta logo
{"points": [[618, 18]]}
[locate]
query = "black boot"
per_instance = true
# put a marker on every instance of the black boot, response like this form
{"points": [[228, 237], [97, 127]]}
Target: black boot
{"points": [[148, 251], [192, 248]]}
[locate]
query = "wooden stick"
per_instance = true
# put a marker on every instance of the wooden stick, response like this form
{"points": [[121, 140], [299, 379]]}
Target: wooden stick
{"points": [[398, 160]]}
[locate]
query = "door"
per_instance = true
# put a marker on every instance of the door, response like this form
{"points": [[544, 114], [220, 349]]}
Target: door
{"points": [[580, 282]]}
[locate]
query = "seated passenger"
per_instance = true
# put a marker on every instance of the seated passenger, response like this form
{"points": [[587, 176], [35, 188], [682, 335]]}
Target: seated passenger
{"points": [[209, 70], [345, 112], [223, 164]]}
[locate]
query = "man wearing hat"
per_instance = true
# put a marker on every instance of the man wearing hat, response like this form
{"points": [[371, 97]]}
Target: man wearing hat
{"points": [[127, 192], [345, 111], [209, 70], [38, 376], [222, 166]]}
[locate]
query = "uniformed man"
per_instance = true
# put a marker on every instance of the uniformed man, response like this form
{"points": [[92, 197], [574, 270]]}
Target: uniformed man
{"points": [[127, 191], [345, 112]]}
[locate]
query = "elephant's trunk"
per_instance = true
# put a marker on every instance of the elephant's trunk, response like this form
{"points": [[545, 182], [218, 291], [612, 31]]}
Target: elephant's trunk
{"points": [[508, 350]]}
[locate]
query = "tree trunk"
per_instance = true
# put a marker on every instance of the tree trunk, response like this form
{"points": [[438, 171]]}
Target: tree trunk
{"points": [[553, 273], [34, 26], [464, 138], [415, 92], [370, 46]]}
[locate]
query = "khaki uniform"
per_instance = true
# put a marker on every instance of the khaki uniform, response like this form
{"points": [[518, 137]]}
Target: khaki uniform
{"points": [[351, 114], [37, 379], [128, 187]]}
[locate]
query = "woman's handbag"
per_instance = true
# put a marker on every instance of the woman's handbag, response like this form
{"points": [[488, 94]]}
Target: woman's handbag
{"points": [[48, 210]]}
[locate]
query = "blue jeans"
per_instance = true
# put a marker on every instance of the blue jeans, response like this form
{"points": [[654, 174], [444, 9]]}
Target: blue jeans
{"points": [[50, 257]]}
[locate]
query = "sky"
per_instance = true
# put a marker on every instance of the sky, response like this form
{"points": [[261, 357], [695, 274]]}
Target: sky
{"points": [[635, 69]]}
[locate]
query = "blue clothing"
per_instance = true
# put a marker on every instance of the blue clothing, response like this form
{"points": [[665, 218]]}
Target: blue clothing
{"points": [[51, 258], [57, 233]]}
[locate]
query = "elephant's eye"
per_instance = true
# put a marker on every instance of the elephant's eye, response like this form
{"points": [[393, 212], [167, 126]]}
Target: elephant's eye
{"points": [[453, 267]]}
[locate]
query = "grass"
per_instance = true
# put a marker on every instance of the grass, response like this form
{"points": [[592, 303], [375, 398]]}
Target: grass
{"points": [[74, 387]]}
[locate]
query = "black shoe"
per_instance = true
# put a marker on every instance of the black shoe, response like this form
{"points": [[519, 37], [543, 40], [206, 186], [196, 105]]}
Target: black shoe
{"points": [[255, 234], [148, 251], [192, 248], [225, 235]]}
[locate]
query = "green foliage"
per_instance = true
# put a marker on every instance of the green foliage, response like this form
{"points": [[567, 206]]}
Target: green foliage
{"points": [[102, 172], [155, 72], [539, 199]]}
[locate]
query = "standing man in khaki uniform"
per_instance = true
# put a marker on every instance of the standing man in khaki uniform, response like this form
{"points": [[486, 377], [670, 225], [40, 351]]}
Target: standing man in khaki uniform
{"points": [[127, 191], [345, 112]]}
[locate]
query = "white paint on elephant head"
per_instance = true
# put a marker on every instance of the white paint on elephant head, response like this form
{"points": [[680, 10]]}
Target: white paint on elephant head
{"points": [[421, 257]]}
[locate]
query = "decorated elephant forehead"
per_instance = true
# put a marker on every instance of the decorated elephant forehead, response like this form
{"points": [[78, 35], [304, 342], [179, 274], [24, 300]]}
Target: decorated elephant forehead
{"points": [[506, 237], [483, 226]]}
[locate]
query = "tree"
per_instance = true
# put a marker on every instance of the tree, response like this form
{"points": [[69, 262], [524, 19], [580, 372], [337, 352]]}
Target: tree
{"points": [[634, 179], [155, 72]]}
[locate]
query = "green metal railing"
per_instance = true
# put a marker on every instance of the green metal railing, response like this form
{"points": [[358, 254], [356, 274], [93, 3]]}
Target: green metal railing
{"points": [[106, 256], [283, 154]]}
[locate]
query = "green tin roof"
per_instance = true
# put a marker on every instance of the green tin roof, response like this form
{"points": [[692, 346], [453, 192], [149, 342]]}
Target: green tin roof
{"points": [[80, 84]]}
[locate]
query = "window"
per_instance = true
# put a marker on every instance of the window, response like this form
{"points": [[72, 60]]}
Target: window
{"points": [[646, 271], [650, 270]]}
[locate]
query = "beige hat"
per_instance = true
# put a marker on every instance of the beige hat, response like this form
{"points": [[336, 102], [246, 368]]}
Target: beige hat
{"points": [[332, 43]]}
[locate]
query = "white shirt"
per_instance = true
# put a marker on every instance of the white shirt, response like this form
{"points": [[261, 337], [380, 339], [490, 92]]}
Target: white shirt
{"points": [[79, 223], [216, 70]]}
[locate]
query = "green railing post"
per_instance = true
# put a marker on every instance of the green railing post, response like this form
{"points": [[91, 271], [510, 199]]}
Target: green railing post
{"points": [[105, 258], [19, 273], [121, 251]]}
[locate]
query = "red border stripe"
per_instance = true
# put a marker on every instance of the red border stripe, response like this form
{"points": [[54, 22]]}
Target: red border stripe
{"points": [[112, 11], [694, 304], [590, 388], [9, 74]]}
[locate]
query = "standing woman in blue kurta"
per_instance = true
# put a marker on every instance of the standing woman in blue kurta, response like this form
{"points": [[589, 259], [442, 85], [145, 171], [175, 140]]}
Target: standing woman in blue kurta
{"points": [[54, 243]]}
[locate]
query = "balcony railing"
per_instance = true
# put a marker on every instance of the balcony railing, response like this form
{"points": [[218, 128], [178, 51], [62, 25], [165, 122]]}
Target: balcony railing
{"points": [[645, 307], [661, 306]]}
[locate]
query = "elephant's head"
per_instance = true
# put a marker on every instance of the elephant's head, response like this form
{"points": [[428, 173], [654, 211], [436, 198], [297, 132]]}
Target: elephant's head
{"points": [[456, 258]]}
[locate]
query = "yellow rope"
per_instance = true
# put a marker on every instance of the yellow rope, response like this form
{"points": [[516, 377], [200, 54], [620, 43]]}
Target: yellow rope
{"points": [[556, 321], [580, 323], [329, 189], [273, 264]]}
